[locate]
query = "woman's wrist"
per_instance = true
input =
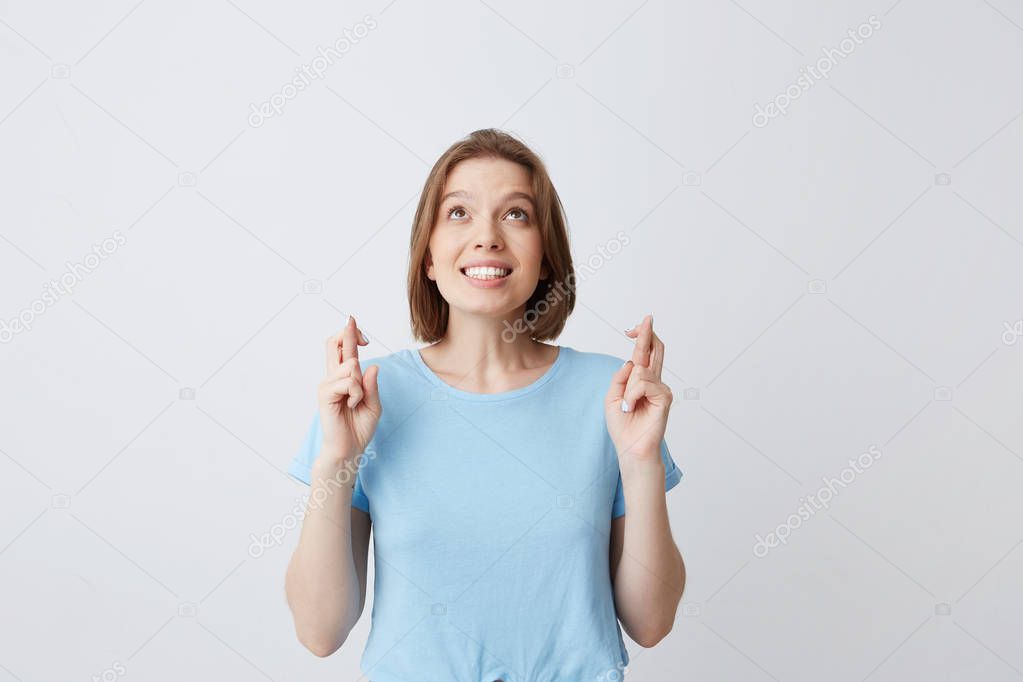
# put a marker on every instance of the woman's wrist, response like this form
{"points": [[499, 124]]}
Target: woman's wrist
{"points": [[641, 467], [340, 467]]}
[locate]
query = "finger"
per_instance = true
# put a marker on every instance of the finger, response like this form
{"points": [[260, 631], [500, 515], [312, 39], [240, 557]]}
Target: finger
{"points": [[355, 337], [333, 353], [618, 381], [657, 393], [627, 403], [633, 332], [355, 370], [648, 337], [372, 391], [644, 386], [657, 357], [350, 368], [337, 389], [349, 345], [356, 393], [630, 394], [641, 352]]}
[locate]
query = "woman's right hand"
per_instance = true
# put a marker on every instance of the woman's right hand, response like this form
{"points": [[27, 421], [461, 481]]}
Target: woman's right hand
{"points": [[349, 401]]}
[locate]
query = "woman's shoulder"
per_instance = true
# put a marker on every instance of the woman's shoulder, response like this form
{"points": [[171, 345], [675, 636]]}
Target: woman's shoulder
{"points": [[399, 376], [594, 362], [393, 365], [592, 370]]}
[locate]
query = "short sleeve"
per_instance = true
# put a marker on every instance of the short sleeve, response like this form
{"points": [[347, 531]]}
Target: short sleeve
{"points": [[672, 475], [302, 464]]}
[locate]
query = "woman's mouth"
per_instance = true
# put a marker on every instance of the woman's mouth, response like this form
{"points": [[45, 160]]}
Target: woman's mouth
{"points": [[485, 277]]}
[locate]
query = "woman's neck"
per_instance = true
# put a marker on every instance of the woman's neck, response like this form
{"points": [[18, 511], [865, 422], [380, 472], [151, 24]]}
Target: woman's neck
{"points": [[489, 364]]}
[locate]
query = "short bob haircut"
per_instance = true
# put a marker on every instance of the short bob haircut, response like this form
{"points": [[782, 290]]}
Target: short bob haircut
{"points": [[552, 301]]}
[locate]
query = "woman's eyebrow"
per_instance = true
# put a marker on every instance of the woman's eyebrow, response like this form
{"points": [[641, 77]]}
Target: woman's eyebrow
{"points": [[520, 195], [510, 195], [456, 193]]}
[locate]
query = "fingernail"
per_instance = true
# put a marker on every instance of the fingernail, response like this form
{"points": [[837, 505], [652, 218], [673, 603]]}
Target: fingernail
{"points": [[365, 339], [625, 406]]}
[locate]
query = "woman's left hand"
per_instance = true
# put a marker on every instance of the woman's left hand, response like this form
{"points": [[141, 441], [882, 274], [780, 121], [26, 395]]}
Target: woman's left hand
{"points": [[637, 402]]}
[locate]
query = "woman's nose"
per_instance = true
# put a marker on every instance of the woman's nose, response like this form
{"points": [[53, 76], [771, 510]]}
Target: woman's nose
{"points": [[489, 237], [490, 244]]}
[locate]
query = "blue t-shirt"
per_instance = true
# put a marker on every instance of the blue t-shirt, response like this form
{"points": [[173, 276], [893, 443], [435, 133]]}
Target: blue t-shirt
{"points": [[491, 525]]}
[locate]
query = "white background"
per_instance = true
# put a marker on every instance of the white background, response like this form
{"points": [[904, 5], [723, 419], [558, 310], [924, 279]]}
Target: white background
{"points": [[838, 278]]}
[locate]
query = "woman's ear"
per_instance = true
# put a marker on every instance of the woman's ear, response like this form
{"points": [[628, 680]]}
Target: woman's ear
{"points": [[428, 265], [544, 270]]}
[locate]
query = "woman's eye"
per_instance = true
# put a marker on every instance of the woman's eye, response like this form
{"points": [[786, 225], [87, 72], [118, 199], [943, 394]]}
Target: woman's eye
{"points": [[517, 214]]}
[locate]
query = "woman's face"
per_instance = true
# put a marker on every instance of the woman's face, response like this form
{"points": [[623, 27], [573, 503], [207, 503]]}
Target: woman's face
{"points": [[487, 218]]}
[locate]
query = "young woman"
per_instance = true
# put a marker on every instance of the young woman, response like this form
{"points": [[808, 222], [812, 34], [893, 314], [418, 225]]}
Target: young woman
{"points": [[493, 468]]}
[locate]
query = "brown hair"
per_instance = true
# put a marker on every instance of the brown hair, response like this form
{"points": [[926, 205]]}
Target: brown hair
{"points": [[550, 310]]}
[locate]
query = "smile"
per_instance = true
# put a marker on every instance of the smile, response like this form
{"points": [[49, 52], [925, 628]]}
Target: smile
{"points": [[486, 273], [486, 276]]}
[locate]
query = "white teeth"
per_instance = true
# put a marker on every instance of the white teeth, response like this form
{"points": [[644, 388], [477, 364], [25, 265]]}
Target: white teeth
{"points": [[486, 272]]}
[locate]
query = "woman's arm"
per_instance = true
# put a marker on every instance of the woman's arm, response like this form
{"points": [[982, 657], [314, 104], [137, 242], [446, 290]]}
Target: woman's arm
{"points": [[646, 567], [647, 570], [326, 578], [325, 583]]}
